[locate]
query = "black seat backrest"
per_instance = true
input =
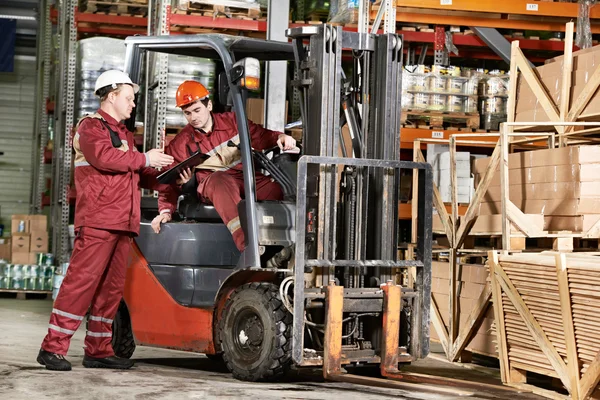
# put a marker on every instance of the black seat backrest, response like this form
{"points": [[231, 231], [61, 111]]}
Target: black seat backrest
{"points": [[190, 207]]}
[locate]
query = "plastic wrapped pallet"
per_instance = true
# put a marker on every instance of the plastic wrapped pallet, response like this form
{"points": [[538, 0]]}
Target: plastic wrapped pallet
{"points": [[96, 55], [343, 11], [182, 68]]}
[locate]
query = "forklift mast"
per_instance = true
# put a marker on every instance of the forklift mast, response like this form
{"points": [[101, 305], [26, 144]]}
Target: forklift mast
{"points": [[347, 207]]}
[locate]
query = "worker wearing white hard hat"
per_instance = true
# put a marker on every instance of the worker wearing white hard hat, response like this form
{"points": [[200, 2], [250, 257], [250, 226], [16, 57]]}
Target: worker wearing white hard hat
{"points": [[109, 171], [112, 79]]}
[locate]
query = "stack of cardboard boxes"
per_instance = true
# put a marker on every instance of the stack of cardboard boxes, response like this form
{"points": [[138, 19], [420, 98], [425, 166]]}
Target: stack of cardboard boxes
{"points": [[585, 62], [29, 237], [558, 188], [438, 155], [471, 281]]}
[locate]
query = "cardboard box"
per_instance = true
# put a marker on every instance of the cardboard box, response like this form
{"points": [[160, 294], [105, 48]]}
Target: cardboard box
{"points": [[39, 242], [16, 220], [471, 290], [487, 324], [484, 344], [553, 173], [545, 158], [20, 242], [546, 191], [579, 223], [492, 224], [564, 207], [444, 174], [475, 273], [255, 110], [38, 223], [550, 75], [5, 250], [24, 258]]}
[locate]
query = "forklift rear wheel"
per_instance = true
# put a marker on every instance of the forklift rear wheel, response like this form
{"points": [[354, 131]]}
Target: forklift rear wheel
{"points": [[255, 333], [122, 341]]}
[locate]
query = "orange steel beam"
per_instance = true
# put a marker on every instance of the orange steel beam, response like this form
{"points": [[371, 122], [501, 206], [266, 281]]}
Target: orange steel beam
{"points": [[409, 135], [520, 7], [499, 23]]}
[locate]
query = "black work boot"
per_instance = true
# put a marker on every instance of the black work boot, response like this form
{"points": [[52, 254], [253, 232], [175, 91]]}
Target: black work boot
{"points": [[112, 362], [53, 361]]}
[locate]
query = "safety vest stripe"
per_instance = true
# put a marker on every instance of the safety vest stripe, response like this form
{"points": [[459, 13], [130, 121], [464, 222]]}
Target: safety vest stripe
{"points": [[230, 166], [234, 224], [66, 314], [100, 319], [99, 334], [218, 147], [82, 164], [61, 330]]}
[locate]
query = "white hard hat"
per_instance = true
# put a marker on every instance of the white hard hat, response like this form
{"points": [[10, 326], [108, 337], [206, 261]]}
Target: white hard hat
{"points": [[113, 78]]}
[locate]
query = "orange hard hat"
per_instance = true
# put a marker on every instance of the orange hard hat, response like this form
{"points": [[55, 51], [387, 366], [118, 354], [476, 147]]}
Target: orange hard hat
{"points": [[189, 92]]}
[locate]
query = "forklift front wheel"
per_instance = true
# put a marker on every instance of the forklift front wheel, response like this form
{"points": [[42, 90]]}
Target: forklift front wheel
{"points": [[255, 333]]}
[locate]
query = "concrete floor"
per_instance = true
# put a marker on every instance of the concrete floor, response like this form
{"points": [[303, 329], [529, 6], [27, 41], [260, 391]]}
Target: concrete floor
{"points": [[167, 374]]}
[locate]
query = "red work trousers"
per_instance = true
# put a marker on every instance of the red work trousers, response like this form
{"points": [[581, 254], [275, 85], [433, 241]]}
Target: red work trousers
{"points": [[96, 278], [225, 190]]}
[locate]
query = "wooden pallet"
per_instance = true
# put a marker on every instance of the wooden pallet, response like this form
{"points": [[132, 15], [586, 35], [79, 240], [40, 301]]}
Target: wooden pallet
{"points": [[129, 7], [221, 8], [440, 119], [27, 294]]}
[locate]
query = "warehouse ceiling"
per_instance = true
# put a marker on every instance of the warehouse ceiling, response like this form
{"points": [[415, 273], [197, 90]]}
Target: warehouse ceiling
{"points": [[26, 12]]}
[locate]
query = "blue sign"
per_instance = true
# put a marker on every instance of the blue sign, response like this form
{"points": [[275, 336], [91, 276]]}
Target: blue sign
{"points": [[8, 35]]}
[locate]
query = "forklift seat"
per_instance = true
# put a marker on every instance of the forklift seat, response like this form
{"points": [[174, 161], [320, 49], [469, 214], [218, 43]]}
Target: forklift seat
{"points": [[189, 206]]}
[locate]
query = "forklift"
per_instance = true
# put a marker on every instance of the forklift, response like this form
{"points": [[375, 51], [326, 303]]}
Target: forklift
{"points": [[320, 283]]}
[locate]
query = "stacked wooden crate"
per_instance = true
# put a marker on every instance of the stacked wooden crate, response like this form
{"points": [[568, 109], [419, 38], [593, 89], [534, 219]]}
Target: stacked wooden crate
{"points": [[546, 309], [557, 189], [529, 108]]}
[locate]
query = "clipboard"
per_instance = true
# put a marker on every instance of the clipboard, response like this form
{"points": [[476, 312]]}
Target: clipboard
{"points": [[171, 175]]}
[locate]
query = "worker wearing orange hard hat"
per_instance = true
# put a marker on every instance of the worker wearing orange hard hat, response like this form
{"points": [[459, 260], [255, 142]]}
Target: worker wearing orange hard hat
{"points": [[220, 178]]}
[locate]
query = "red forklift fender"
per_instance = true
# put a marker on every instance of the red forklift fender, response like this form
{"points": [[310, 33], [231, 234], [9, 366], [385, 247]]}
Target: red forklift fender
{"points": [[157, 319]]}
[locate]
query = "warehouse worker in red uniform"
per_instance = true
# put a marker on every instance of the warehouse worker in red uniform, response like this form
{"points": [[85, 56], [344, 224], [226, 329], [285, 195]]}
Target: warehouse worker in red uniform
{"points": [[220, 178], [108, 173]]}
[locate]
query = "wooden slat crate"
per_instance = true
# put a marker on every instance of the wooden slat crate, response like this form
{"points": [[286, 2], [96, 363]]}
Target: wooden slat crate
{"points": [[546, 309]]}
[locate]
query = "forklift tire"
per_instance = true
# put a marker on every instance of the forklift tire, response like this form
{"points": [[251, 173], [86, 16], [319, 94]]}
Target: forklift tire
{"points": [[255, 333], [122, 341]]}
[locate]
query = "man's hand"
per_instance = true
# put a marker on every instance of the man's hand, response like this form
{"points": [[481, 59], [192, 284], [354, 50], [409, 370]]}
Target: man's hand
{"points": [[184, 176], [158, 159], [286, 142], [160, 219]]}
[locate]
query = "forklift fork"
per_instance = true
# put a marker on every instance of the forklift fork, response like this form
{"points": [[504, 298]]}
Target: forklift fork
{"points": [[333, 356]]}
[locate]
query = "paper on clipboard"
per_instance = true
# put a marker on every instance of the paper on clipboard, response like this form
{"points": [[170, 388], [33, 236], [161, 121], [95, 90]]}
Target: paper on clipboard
{"points": [[172, 174]]}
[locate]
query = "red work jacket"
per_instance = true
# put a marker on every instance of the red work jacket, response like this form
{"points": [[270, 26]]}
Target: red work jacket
{"points": [[214, 143], [108, 178]]}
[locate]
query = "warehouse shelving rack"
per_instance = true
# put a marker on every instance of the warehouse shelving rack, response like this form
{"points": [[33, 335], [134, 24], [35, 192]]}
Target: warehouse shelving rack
{"points": [[72, 23]]}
